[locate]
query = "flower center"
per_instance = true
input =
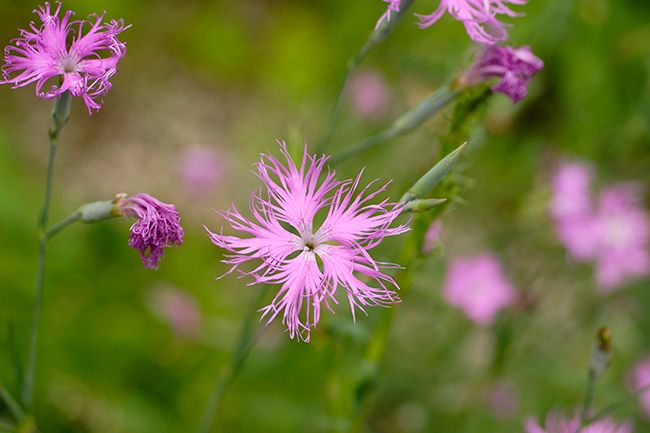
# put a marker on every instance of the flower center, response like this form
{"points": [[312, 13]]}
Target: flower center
{"points": [[68, 64]]}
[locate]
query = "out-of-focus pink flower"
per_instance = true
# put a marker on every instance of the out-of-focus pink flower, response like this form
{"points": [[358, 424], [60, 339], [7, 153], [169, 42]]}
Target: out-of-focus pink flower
{"points": [[60, 48], [432, 236], [369, 94], [514, 67], [478, 286], [640, 378], [623, 230], [179, 309], [504, 400], [200, 169], [478, 16], [614, 233], [157, 226], [393, 6], [572, 209], [556, 423], [310, 262]]}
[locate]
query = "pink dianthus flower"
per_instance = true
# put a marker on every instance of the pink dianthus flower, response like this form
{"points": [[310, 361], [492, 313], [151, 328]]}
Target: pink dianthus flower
{"points": [[478, 16], [556, 423], [478, 286], [310, 260], [61, 48], [157, 226]]}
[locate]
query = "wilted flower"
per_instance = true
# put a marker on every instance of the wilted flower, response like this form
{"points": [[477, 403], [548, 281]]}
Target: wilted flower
{"points": [[478, 16], [393, 6], [308, 259], [622, 228], [157, 226], [640, 378], [556, 423], [178, 308], [514, 67], [369, 94], [200, 169], [478, 286], [60, 48]]}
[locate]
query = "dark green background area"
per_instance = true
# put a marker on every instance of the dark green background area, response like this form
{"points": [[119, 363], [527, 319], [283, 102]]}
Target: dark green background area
{"points": [[236, 76]]}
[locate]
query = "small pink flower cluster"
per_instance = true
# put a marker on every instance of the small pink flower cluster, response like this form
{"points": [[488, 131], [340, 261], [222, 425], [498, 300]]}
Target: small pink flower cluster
{"points": [[613, 230]]}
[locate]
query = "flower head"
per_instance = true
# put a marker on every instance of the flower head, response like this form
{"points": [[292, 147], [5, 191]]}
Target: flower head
{"points": [[514, 67], [478, 16], [311, 236], [393, 6], [555, 423], [157, 226], [478, 286], [640, 378], [60, 48]]}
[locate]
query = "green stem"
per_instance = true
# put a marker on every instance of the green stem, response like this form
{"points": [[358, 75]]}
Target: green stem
{"points": [[616, 405], [361, 146], [245, 342], [376, 37], [589, 398], [60, 114], [56, 228]]}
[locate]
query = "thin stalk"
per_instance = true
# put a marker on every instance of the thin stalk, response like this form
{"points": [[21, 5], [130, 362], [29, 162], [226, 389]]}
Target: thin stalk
{"points": [[618, 404], [56, 228], [60, 114], [243, 346], [361, 146], [376, 37], [589, 396]]}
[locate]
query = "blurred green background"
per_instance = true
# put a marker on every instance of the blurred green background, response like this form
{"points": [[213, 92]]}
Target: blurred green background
{"points": [[237, 75]]}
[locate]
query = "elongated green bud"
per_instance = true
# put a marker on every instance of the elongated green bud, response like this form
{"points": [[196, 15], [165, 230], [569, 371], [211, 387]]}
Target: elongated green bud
{"points": [[99, 211], [423, 205], [431, 178], [419, 114]]}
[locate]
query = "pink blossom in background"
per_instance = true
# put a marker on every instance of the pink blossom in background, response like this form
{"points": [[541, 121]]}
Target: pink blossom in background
{"points": [[572, 209], [612, 231], [393, 7], [504, 400], [623, 230], [59, 48], [555, 423], [179, 309], [478, 286], [432, 236], [157, 226], [478, 16], [369, 94], [200, 169], [310, 263], [514, 67], [640, 378]]}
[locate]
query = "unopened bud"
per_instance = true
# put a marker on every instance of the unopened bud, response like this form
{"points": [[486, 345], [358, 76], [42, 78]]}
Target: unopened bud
{"points": [[601, 352], [98, 211]]}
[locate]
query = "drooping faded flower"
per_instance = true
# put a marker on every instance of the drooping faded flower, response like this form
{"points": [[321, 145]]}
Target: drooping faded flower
{"points": [[82, 54], [640, 378], [478, 16], [393, 6], [478, 286], [311, 237], [556, 423], [157, 226], [514, 67]]}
